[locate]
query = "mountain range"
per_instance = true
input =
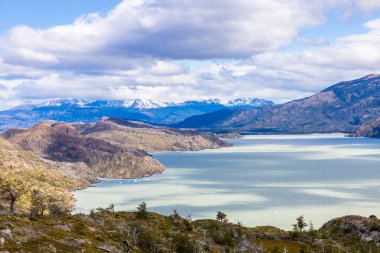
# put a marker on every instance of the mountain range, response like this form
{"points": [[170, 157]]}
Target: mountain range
{"points": [[151, 111], [340, 108]]}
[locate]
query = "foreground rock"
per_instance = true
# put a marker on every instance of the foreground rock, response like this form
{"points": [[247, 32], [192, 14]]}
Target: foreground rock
{"points": [[360, 233], [371, 130]]}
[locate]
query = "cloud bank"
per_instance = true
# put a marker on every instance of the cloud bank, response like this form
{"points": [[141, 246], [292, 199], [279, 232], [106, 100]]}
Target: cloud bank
{"points": [[176, 50]]}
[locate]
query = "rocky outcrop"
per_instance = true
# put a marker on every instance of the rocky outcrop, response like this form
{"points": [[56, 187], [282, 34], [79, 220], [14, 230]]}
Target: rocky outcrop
{"points": [[354, 227], [371, 129]]}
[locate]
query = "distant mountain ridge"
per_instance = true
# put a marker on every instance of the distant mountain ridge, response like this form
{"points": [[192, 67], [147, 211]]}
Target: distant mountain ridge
{"points": [[151, 111], [339, 108], [144, 103]]}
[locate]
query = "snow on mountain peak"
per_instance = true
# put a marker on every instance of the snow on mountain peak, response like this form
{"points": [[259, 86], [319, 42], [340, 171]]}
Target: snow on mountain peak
{"points": [[65, 102], [144, 104], [255, 102]]}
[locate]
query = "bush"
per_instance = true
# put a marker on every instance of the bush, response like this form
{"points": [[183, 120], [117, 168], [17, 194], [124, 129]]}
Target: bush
{"points": [[183, 244], [79, 228]]}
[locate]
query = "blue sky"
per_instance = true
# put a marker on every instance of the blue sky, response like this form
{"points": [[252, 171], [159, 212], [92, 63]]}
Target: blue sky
{"points": [[189, 49], [44, 13]]}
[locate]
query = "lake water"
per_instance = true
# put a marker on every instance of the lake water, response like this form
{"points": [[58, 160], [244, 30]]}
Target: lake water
{"points": [[261, 180]]}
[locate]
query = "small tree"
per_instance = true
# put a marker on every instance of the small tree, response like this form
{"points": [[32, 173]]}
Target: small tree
{"points": [[38, 203], [222, 217], [142, 211], [112, 208], [188, 223], [175, 216], [12, 188], [59, 204], [312, 231], [301, 224]]}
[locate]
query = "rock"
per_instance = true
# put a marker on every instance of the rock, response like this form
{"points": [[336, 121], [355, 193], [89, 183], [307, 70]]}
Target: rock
{"points": [[2, 241], [80, 242], [6, 232], [92, 229], [52, 249], [64, 227]]}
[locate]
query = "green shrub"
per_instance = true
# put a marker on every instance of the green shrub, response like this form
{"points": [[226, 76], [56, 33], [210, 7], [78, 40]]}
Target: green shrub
{"points": [[79, 228]]}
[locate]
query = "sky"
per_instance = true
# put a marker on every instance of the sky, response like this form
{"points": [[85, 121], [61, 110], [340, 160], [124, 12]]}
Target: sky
{"points": [[175, 50]]}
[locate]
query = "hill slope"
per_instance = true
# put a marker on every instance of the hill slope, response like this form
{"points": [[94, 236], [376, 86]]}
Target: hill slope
{"points": [[148, 138], [108, 231], [370, 129], [339, 108], [61, 142], [111, 148], [22, 172]]}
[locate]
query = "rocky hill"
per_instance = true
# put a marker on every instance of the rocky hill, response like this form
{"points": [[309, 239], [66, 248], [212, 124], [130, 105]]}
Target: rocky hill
{"points": [[51, 159], [370, 129], [111, 148], [61, 142], [23, 172], [129, 134], [339, 108]]}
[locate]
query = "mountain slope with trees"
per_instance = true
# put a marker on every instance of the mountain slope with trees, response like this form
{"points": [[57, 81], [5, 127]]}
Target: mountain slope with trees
{"points": [[370, 129]]}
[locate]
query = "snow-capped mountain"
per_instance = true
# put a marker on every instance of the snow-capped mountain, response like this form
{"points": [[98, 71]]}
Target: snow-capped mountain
{"points": [[145, 104], [129, 103], [211, 101], [148, 110], [140, 104], [248, 102], [64, 102]]}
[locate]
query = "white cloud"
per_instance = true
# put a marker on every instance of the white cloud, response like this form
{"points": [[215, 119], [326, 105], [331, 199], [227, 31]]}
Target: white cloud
{"points": [[163, 28], [368, 5], [190, 49]]}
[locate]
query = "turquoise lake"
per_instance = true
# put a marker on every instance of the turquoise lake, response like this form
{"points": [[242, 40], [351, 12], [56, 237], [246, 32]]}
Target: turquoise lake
{"points": [[261, 180]]}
